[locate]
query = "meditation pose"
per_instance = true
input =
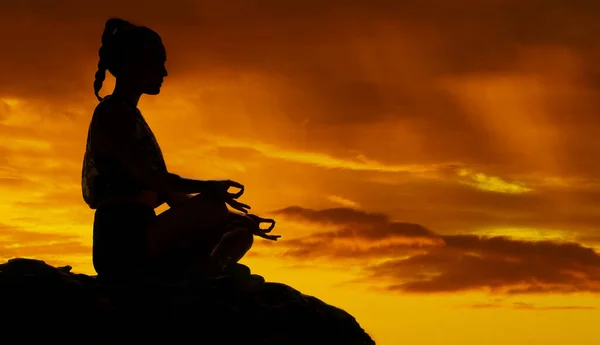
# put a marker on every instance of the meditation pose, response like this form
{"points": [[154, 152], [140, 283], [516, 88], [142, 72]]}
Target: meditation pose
{"points": [[124, 178]]}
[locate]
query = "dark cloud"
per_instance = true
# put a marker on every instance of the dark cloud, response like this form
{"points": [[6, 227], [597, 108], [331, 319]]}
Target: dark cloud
{"points": [[356, 223], [352, 62], [447, 263], [334, 215], [463, 36], [448, 207], [509, 266]]}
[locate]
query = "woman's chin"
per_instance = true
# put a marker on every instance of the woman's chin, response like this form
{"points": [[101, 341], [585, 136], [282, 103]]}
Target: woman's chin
{"points": [[153, 91]]}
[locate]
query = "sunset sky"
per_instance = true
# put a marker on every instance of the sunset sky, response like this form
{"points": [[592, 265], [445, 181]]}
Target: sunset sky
{"points": [[433, 165]]}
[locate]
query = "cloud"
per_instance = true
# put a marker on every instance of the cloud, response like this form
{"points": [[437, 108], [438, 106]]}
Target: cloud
{"points": [[16, 242], [343, 201], [436, 112], [357, 79], [491, 183], [527, 306], [359, 163], [410, 258], [334, 215]]}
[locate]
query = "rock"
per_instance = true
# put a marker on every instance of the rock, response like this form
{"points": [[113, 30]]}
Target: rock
{"points": [[237, 309]]}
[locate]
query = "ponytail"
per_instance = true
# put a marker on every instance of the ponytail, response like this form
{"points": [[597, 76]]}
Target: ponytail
{"points": [[107, 51]]}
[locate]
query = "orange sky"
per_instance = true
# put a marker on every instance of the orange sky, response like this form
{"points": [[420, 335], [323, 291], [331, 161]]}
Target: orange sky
{"points": [[432, 165]]}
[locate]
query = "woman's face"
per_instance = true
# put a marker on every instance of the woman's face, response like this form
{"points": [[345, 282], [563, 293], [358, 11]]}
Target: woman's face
{"points": [[149, 71]]}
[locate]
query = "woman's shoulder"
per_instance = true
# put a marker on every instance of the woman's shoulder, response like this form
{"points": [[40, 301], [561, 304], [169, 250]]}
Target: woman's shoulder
{"points": [[110, 107], [112, 123], [109, 104]]}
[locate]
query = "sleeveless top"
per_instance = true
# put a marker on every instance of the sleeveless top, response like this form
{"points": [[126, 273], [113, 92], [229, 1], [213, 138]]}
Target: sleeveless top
{"points": [[104, 176]]}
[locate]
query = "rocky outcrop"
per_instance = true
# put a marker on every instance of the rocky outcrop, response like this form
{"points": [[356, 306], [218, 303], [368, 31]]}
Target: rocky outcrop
{"points": [[237, 309]]}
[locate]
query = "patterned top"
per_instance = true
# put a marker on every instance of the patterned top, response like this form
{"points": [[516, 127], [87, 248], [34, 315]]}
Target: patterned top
{"points": [[103, 176]]}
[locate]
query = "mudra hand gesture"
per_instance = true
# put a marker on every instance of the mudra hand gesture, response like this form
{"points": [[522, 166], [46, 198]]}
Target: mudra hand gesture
{"points": [[219, 189], [264, 233]]}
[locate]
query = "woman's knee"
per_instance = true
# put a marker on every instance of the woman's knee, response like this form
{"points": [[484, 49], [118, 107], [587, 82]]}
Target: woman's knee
{"points": [[241, 236], [247, 237]]}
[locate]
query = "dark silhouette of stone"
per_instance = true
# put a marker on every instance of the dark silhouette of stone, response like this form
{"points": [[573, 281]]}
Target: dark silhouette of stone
{"points": [[237, 309]]}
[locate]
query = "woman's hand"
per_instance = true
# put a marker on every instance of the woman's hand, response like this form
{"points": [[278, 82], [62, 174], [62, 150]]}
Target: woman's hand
{"points": [[264, 233], [219, 189]]}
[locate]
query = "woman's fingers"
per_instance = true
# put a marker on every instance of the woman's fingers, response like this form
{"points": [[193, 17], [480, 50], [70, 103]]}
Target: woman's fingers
{"points": [[235, 195], [260, 220], [235, 185], [272, 221], [229, 184], [270, 228], [238, 206], [268, 237], [238, 194]]}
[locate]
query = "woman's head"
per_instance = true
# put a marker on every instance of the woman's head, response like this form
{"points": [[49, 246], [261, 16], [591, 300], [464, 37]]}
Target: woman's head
{"points": [[134, 55]]}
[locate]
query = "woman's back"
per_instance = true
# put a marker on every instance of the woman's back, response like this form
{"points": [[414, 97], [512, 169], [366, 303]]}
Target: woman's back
{"points": [[124, 206], [103, 176]]}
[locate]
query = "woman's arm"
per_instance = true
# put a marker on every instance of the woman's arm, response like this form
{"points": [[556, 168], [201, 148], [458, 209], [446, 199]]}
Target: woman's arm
{"points": [[176, 198]]}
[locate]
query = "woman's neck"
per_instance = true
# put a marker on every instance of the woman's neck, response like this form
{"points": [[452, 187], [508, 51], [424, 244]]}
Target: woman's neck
{"points": [[127, 95]]}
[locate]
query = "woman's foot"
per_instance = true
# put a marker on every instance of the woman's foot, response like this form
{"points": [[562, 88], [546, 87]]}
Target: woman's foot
{"points": [[237, 270]]}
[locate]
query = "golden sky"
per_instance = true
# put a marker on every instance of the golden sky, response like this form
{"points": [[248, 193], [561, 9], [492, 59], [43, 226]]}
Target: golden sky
{"points": [[433, 165]]}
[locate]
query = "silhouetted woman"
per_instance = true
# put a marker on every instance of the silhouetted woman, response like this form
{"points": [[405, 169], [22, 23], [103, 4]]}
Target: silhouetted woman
{"points": [[125, 178]]}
